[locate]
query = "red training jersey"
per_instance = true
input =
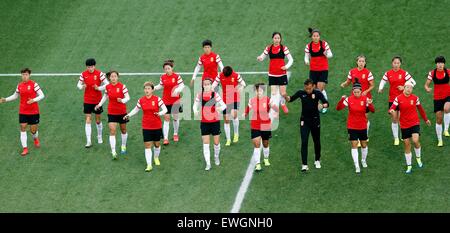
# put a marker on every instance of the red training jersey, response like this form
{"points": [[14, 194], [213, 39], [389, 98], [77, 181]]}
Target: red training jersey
{"points": [[407, 107], [318, 63], [210, 63], [276, 59], [364, 77], [116, 91], [208, 102], [170, 82], [395, 79], [150, 108], [357, 118], [441, 83], [230, 91], [28, 90], [260, 108], [92, 96]]}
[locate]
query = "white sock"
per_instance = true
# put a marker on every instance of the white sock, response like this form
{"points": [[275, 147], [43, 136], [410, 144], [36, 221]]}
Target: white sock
{"points": [[439, 131], [166, 129], [216, 150], [148, 156], [355, 157], [226, 126], [176, 125], [257, 155], [88, 130], [446, 121], [324, 93], [35, 135], [408, 159], [124, 139], [206, 154], [417, 150], [368, 126], [282, 100], [236, 126], [157, 150], [394, 127], [266, 152], [23, 138], [99, 129], [112, 142], [364, 152]]}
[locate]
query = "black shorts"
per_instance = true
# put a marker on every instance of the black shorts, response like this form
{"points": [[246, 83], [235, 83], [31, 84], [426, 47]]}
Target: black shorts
{"points": [[90, 108], [278, 81], [177, 108], [439, 104], [212, 128], [407, 133], [355, 134], [29, 119], [390, 105], [319, 76], [117, 119], [265, 135], [230, 107], [152, 135]]}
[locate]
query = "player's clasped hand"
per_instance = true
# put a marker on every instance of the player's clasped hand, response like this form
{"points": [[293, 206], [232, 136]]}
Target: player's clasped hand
{"points": [[2, 100], [30, 101]]}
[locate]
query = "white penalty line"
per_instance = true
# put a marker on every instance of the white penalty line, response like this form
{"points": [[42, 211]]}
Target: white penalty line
{"points": [[123, 74], [244, 186]]}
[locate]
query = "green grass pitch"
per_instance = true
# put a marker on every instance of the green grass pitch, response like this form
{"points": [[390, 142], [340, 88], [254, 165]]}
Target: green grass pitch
{"points": [[137, 36]]}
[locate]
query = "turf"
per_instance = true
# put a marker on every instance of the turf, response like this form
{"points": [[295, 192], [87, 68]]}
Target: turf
{"points": [[136, 36]]}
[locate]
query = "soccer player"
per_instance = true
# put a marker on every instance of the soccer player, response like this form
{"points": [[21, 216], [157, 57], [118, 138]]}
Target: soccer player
{"points": [[232, 83], [440, 78], [260, 124], [118, 96], [173, 85], [210, 123], [396, 77], [91, 81], [151, 123], [317, 53], [309, 120], [406, 103], [210, 62], [357, 105], [365, 79], [278, 79], [30, 93]]}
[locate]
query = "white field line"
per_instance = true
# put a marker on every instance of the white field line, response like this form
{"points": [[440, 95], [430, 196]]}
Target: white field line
{"points": [[244, 186], [123, 74]]}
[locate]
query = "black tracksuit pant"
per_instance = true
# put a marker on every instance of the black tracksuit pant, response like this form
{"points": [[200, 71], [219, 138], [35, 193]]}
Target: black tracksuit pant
{"points": [[307, 126]]}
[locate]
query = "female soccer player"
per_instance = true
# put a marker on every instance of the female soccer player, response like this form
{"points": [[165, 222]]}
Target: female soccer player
{"points": [[278, 80], [118, 96], [365, 79], [317, 53], [210, 123], [232, 83], [90, 81], [357, 122], [396, 77], [440, 78], [151, 123], [173, 85], [260, 123], [210, 61], [409, 121], [30, 93]]}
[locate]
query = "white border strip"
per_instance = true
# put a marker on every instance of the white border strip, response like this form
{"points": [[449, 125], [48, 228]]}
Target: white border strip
{"points": [[124, 74], [244, 186]]}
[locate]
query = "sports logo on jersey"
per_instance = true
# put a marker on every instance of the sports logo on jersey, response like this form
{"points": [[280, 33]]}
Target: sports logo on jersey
{"points": [[173, 80], [118, 90], [95, 77], [399, 76], [153, 103], [232, 79], [313, 96], [212, 59], [412, 102], [362, 103], [29, 87], [363, 76]]}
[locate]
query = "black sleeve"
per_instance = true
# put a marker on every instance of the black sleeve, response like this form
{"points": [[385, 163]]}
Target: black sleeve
{"points": [[322, 98], [295, 96]]}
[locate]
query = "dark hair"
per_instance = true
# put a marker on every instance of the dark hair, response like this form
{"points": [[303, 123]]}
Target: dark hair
{"points": [[276, 33], [260, 85], [149, 84], [108, 75], [361, 56], [308, 82], [312, 30], [209, 79], [206, 43], [168, 63], [25, 70], [90, 62], [397, 57], [227, 71], [356, 84], [439, 59]]}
